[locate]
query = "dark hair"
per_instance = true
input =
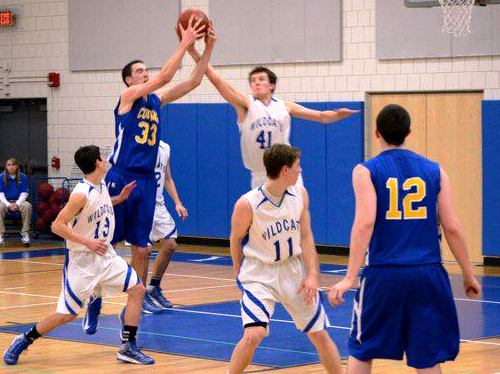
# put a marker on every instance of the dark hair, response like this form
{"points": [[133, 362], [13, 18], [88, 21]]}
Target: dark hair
{"points": [[262, 69], [393, 123], [127, 70], [6, 173], [278, 156], [86, 158]]}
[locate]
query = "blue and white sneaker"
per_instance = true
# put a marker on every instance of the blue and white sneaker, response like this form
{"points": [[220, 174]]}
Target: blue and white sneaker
{"points": [[18, 345], [149, 306], [130, 353], [91, 319], [159, 299]]}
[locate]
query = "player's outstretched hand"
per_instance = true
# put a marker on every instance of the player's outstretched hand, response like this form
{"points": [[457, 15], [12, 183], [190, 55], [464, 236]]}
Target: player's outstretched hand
{"points": [[336, 293], [344, 112], [472, 287], [98, 246], [181, 211], [127, 190], [210, 36], [309, 287], [192, 32]]}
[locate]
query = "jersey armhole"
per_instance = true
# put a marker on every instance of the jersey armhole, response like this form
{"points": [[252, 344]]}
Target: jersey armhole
{"points": [[240, 124]]}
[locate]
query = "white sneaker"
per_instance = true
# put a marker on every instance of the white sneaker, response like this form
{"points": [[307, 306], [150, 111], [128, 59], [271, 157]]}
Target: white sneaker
{"points": [[2, 242], [25, 238]]}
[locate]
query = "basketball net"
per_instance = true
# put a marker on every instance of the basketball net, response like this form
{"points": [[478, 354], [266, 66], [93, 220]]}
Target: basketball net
{"points": [[457, 16]]}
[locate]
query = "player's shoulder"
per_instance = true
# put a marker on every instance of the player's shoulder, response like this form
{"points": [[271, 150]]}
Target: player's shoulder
{"points": [[296, 191], [254, 197], [154, 99]]}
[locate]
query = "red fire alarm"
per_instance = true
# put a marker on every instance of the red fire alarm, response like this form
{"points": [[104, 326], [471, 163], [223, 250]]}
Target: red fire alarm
{"points": [[56, 162], [54, 80]]}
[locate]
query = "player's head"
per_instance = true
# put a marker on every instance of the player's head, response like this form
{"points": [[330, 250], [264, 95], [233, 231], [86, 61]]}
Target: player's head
{"points": [[283, 161], [88, 158], [393, 124], [262, 81], [135, 72]]}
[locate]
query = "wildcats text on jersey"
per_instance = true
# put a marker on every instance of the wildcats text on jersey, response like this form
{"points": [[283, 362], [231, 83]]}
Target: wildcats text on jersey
{"points": [[267, 121], [101, 211], [277, 227]]}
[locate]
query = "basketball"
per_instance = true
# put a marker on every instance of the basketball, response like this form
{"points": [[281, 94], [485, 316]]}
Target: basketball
{"points": [[186, 15], [44, 190]]}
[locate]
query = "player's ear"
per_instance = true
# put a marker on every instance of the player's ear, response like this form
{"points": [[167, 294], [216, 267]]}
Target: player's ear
{"points": [[128, 80], [377, 134]]}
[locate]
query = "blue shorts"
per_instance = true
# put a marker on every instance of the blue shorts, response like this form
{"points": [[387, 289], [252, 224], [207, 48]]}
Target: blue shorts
{"points": [[133, 217], [405, 309]]}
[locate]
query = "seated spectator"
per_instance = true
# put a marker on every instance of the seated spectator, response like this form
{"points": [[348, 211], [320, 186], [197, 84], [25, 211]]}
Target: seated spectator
{"points": [[13, 195]]}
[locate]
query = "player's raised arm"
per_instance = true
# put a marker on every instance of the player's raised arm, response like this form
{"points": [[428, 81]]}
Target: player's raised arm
{"points": [[234, 97], [323, 116], [362, 229], [167, 72], [240, 223], [60, 225], [455, 236], [172, 192], [170, 94], [311, 282]]}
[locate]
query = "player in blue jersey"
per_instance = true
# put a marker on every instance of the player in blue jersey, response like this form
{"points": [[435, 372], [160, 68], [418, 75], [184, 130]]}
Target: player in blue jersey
{"points": [[404, 304], [138, 130]]}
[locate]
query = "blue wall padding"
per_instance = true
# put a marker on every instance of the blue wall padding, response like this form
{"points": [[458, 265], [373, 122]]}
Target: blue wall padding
{"points": [[345, 140], [310, 138], [491, 177], [213, 218], [210, 176], [180, 131]]}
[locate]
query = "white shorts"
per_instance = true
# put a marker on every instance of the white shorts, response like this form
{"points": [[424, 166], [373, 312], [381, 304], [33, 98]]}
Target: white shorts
{"points": [[258, 179], [265, 284], [163, 225], [85, 271]]}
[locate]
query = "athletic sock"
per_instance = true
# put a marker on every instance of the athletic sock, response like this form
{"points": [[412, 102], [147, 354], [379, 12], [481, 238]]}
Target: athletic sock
{"points": [[129, 333], [32, 334], [154, 282]]}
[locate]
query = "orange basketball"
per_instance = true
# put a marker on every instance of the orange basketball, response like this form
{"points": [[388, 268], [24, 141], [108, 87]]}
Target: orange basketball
{"points": [[186, 15]]}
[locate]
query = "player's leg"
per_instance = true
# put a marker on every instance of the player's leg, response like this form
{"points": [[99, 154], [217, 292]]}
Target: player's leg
{"points": [[245, 349], [140, 261], [21, 342], [70, 303], [328, 353], [355, 366], [121, 277], [164, 229], [167, 249], [257, 307]]}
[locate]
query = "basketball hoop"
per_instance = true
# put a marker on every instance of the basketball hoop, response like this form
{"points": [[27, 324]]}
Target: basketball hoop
{"points": [[457, 16]]}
